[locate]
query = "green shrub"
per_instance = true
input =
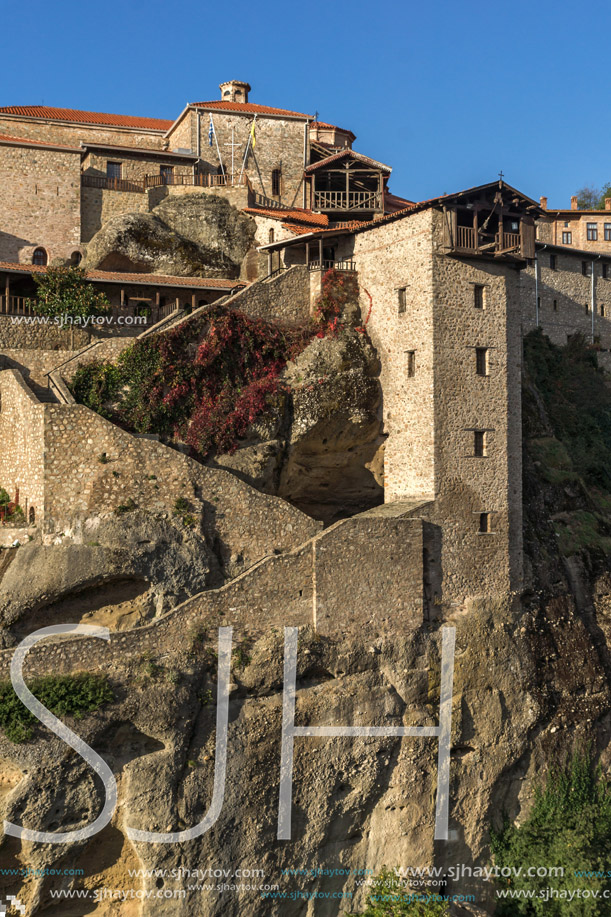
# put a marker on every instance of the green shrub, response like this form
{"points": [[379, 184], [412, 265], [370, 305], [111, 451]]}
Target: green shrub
{"points": [[569, 826], [63, 695], [66, 291], [389, 897]]}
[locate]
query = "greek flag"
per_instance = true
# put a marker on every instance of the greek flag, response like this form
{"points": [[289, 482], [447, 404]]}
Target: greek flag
{"points": [[210, 131]]}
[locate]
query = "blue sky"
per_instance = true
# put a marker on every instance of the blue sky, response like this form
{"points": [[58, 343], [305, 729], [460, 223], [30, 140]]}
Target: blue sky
{"points": [[446, 93]]}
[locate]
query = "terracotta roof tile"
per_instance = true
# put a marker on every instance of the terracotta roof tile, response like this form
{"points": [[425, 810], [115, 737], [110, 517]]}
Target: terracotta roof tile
{"points": [[212, 283], [348, 154], [86, 117], [250, 109], [331, 127], [300, 216]]}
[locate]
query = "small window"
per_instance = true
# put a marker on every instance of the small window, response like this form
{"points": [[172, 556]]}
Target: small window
{"points": [[566, 225], [479, 443], [113, 170], [481, 361], [402, 292], [76, 258], [607, 232], [411, 363], [39, 257], [484, 523], [479, 296], [567, 238], [602, 310], [276, 182], [552, 262], [32, 516], [555, 305], [592, 232], [605, 269], [270, 235], [584, 268], [587, 308], [167, 174]]}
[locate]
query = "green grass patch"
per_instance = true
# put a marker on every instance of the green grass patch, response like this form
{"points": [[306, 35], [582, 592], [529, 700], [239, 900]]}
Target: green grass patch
{"points": [[583, 530], [63, 695]]}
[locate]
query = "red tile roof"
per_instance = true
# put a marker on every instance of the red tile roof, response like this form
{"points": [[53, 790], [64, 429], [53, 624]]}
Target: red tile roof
{"points": [[331, 127], [211, 283], [348, 154], [300, 216], [250, 109], [6, 138], [86, 117]]}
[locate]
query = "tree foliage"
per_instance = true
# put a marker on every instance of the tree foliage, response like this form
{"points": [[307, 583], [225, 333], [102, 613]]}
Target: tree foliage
{"points": [[390, 897], [591, 198], [66, 291], [569, 827]]}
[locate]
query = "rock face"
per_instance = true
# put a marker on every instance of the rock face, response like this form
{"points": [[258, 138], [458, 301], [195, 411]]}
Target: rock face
{"points": [[195, 235], [126, 571], [321, 446]]}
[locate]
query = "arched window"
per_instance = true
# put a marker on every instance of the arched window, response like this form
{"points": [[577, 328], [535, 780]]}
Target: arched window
{"points": [[39, 256], [76, 258], [32, 516], [270, 237]]}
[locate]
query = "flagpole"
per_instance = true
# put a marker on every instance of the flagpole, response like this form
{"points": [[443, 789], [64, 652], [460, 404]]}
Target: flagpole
{"points": [[247, 149]]}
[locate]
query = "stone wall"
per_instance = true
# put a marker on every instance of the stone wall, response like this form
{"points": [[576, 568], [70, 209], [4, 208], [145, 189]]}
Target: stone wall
{"points": [[576, 222], [342, 582], [40, 202], [434, 401], [41, 336], [22, 438], [565, 295], [72, 134], [284, 298], [279, 145], [134, 166], [98, 205]]}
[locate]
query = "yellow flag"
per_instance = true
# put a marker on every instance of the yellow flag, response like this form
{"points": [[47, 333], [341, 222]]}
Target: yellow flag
{"points": [[252, 135]]}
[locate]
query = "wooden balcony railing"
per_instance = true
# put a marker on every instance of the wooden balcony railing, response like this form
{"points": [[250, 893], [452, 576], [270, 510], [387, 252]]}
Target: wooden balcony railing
{"points": [[140, 185], [332, 266], [112, 184], [465, 238], [205, 180], [347, 200], [16, 305], [465, 241]]}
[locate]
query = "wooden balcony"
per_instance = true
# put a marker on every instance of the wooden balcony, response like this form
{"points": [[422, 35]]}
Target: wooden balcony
{"points": [[140, 185], [510, 243], [348, 201], [332, 266], [111, 184]]}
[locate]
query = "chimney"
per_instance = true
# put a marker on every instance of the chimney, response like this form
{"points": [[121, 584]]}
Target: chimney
{"points": [[574, 203], [234, 91], [608, 203], [543, 202]]}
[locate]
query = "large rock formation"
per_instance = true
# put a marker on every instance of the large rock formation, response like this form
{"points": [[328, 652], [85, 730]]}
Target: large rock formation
{"points": [[195, 235], [322, 446]]}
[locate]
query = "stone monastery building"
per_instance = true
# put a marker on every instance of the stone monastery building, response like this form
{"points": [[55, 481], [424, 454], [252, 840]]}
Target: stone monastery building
{"points": [[448, 286]]}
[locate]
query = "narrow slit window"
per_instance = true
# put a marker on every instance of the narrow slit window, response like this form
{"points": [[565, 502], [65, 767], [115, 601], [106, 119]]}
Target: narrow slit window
{"points": [[479, 443], [479, 296], [605, 271], [481, 361], [484, 524], [555, 305], [584, 268], [411, 363], [552, 262], [402, 294], [276, 182]]}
